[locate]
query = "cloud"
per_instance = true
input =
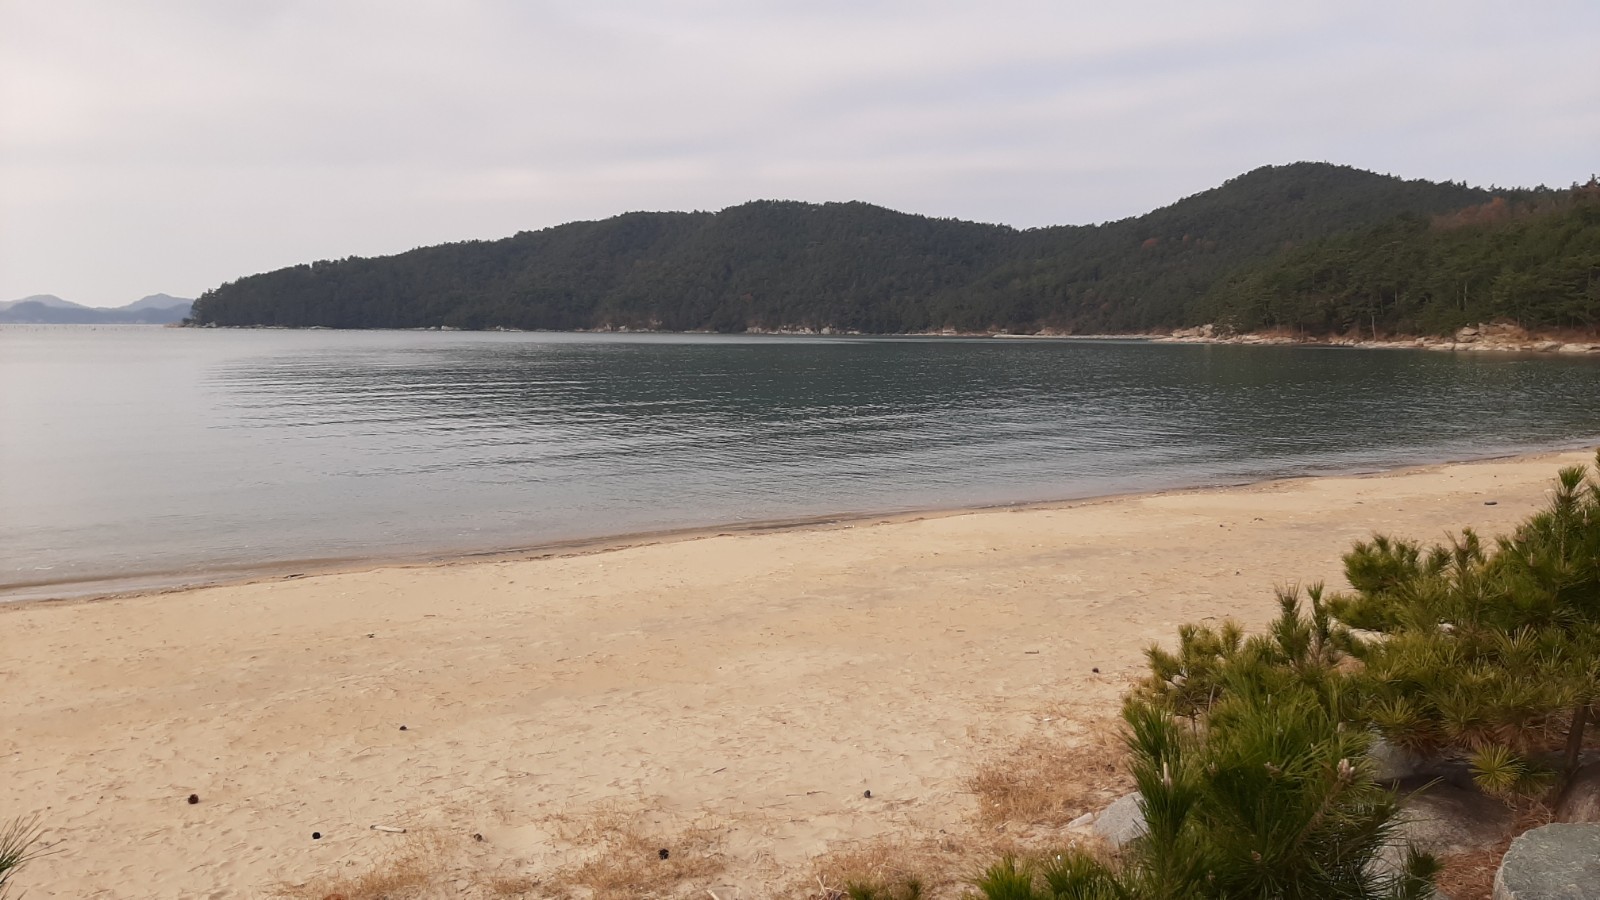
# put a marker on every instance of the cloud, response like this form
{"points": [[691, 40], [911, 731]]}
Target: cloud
{"points": [[171, 146]]}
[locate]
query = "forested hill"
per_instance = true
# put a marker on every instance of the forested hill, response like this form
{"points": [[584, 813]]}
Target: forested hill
{"points": [[1533, 262], [851, 266]]}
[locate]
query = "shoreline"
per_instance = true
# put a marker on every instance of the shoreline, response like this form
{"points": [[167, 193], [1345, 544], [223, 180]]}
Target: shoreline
{"points": [[1493, 337], [744, 690], [169, 582]]}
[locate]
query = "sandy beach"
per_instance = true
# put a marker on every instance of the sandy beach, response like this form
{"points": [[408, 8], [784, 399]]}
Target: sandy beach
{"points": [[731, 695]]}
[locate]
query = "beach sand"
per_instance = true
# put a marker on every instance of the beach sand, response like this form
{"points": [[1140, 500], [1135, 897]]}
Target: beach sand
{"points": [[735, 692]]}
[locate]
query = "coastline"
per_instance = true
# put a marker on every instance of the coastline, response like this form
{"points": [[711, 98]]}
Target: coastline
{"points": [[1492, 337], [747, 687], [112, 587]]}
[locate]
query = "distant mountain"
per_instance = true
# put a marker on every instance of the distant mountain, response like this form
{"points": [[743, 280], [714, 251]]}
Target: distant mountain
{"points": [[776, 265], [48, 309], [46, 300], [158, 301]]}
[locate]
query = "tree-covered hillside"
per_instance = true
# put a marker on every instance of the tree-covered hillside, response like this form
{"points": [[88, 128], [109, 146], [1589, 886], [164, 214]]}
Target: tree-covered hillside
{"points": [[852, 266], [1533, 262]]}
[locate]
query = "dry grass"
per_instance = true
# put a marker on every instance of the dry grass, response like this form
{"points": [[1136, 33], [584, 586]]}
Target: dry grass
{"points": [[942, 867], [1470, 876], [939, 865], [620, 854], [1025, 793], [509, 886], [412, 870], [1051, 781]]}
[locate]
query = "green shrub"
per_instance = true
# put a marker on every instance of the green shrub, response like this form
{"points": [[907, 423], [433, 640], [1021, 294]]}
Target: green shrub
{"points": [[1250, 782], [1492, 652]]}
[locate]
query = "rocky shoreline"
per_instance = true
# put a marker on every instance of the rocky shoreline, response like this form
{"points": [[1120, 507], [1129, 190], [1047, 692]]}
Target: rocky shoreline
{"points": [[1494, 338], [1503, 338]]}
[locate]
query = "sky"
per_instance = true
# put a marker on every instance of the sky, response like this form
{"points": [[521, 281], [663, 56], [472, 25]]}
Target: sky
{"points": [[173, 146]]}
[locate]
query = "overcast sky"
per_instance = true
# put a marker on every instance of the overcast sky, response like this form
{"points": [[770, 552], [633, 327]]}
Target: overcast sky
{"points": [[172, 146]]}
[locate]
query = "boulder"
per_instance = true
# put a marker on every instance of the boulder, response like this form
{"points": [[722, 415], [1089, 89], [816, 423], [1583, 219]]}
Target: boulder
{"points": [[1580, 800], [1443, 819], [1198, 332], [1555, 862], [1122, 822], [1467, 334], [1391, 763]]}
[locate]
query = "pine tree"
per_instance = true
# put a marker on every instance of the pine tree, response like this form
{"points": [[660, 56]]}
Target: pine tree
{"points": [[1250, 782], [1492, 652]]}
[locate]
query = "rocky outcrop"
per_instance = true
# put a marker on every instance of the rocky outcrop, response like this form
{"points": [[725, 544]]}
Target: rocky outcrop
{"points": [[1555, 862], [1199, 332], [1501, 337]]}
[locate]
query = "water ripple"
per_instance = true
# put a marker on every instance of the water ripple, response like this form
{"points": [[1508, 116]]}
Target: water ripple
{"points": [[150, 450]]}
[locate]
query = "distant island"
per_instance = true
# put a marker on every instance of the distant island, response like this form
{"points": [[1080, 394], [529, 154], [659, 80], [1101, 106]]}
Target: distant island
{"points": [[48, 309], [1310, 248]]}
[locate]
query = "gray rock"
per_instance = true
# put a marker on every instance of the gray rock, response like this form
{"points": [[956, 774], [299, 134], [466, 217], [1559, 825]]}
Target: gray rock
{"points": [[1580, 801], [1391, 763], [1443, 819], [1555, 862], [1122, 822]]}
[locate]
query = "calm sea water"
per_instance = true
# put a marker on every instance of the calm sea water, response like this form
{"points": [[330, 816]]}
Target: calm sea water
{"points": [[134, 456]]}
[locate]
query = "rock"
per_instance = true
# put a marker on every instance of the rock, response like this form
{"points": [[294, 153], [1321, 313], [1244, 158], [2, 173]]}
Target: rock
{"points": [[1555, 862], [1503, 330], [1122, 822], [1547, 346], [1443, 819], [1575, 348], [1580, 800], [1391, 763], [1081, 821], [1466, 335]]}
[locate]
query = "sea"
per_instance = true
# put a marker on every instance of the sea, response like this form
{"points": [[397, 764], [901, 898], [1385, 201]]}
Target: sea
{"points": [[137, 458]]}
